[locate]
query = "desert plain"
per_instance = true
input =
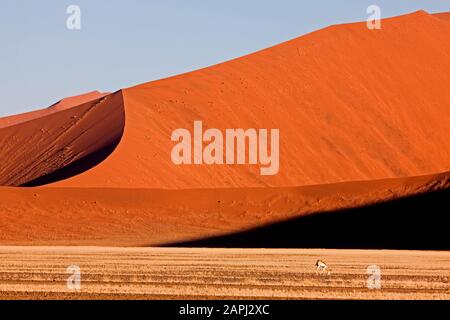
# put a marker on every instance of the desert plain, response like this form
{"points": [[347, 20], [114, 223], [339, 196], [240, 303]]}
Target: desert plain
{"points": [[186, 273]]}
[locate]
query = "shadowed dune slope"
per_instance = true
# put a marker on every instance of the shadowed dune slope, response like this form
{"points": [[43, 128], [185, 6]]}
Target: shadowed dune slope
{"points": [[148, 217], [415, 222], [63, 135], [351, 104]]}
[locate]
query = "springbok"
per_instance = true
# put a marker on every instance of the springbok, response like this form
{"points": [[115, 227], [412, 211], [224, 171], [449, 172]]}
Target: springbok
{"points": [[322, 267]]}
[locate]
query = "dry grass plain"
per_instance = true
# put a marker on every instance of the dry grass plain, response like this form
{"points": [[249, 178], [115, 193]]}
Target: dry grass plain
{"points": [[185, 273]]}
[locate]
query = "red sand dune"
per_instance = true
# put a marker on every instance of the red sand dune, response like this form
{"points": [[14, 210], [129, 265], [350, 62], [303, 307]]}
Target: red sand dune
{"points": [[351, 104]]}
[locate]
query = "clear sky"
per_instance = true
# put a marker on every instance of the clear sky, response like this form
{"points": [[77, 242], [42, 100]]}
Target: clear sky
{"points": [[126, 42]]}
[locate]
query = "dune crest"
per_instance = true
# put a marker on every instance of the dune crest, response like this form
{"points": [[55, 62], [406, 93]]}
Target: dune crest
{"points": [[65, 103]]}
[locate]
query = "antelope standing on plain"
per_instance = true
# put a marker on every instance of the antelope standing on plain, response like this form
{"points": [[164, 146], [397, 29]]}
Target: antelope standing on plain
{"points": [[321, 267]]}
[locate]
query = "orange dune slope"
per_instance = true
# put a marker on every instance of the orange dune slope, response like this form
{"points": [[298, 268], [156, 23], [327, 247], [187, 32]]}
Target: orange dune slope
{"points": [[150, 217], [351, 104]]}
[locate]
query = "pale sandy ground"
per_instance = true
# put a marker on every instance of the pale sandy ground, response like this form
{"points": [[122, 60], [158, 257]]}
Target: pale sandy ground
{"points": [[170, 273]]}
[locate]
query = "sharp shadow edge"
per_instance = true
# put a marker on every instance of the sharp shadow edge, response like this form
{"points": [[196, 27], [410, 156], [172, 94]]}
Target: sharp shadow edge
{"points": [[75, 168], [419, 222]]}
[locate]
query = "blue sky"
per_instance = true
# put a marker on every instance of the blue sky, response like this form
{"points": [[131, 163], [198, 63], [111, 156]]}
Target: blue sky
{"points": [[126, 42]]}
